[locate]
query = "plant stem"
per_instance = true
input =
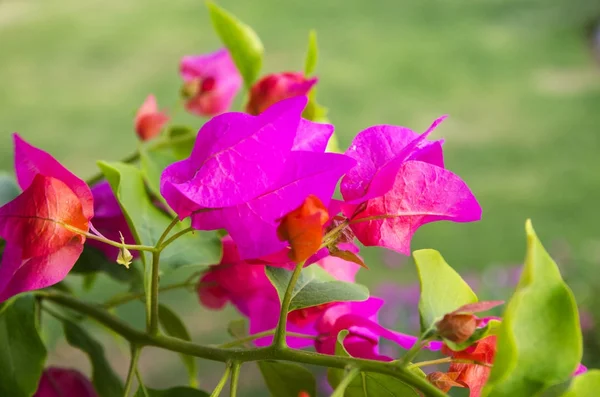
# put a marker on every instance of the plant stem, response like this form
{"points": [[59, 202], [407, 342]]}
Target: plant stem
{"points": [[176, 236], [134, 247], [341, 388], [141, 382], [153, 327], [135, 355], [279, 338], [141, 339], [164, 235], [430, 362], [120, 300], [259, 335], [235, 375], [222, 382]]}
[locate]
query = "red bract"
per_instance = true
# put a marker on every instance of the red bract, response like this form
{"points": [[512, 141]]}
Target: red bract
{"points": [[148, 120], [277, 87], [474, 376], [63, 382], [303, 228], [43, 225]]}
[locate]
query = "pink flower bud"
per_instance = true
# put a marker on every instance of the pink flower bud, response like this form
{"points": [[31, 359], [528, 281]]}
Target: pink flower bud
{"points": [[148, 120], [277, 87]]}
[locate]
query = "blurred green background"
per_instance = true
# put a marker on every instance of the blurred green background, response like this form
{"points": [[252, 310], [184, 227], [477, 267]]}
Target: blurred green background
{"points": [[517, 78]]}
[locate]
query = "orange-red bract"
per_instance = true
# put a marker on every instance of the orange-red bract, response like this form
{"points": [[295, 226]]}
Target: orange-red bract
{"points": [[303, 228], [474, 376]]}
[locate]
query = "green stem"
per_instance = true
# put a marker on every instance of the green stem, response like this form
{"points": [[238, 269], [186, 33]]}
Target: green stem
{"points": [[279, 338], [141, 382], [134, 247], [135, 355], [142, 339], [235, 375], [153, 296], [343, 385], [120, 300], [430, 362], [175, 237], [417, 347], [222, 382], [164, 235], [259, 335]]}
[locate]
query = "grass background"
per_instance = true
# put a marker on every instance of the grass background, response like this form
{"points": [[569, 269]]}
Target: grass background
{"points": [[517, 78]]}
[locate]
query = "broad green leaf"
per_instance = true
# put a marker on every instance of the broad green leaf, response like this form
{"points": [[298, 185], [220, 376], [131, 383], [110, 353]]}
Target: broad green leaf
{"points": [[241, 41], [584, 385], [539, 339], [442, 288], [367, 384], [105, 381], [173, 326], [147, 222], [312, 54], [153, 164], [287, 379], [22, 352], [315, 287], [181, 140], [174, 392], [9, 189]]}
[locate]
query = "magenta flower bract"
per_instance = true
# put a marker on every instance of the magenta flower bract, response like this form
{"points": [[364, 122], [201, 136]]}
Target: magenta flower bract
{"points": [[109, 221], [247, 287], [277, 87], [63, 382], [38, 225], [360, 320], [252, 170], [211, 81], [401, 178]]}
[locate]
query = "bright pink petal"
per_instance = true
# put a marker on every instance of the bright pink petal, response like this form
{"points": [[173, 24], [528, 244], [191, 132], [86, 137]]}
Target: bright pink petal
{"points": [[312, 137], [19, 275], [216, 81], [236, 157], [421, 193], [380, 150], [253, 225], [31, 161], [581, 369]]}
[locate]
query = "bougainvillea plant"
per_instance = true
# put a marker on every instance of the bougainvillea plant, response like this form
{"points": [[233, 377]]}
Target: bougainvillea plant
{"points": [[250, 202]]}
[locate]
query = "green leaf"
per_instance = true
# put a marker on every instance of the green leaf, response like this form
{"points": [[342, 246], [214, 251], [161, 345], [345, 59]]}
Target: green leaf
{"points": [[9, 189], [181, 139], [315, 112], [153, 164], [147, 222], [286, 379], [315, 287], [584, 385], [174, 392], [442, 288], [539, 339], [106, 382], [173, 326], [22, 352], [367, 384], [241, 41], [312, 54]]}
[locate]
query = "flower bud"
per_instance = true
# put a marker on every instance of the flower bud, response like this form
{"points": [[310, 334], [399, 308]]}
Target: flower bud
{"points": [[457, 327], [443, 381], [148, 120], [124, 258], [303, 228], [277, 87]]}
